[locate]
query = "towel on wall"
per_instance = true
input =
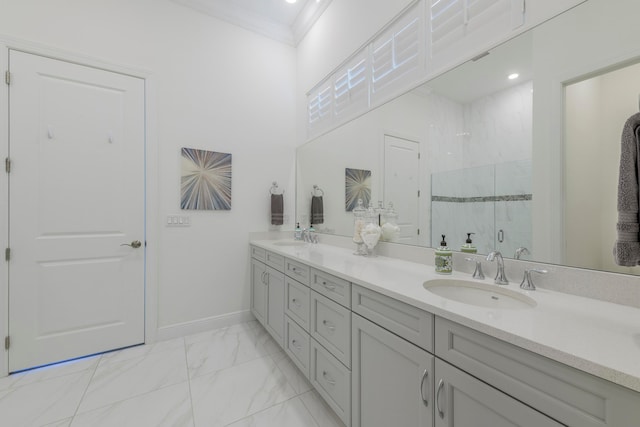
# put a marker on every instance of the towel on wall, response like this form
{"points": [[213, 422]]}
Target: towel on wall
{"points": [[277, 209], [626, 251], [317, 210]]}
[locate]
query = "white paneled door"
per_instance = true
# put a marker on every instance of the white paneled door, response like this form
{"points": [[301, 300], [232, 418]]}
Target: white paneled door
{"points": [[401, 184], [76, 210]]}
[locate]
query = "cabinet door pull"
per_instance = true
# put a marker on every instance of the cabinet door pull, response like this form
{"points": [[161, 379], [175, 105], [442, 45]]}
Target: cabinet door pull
{"points": [[329, 286], [296, 302], [328, 378], [330, 326], [424, 377], [440, 387], [295, 345], [263, 280]]}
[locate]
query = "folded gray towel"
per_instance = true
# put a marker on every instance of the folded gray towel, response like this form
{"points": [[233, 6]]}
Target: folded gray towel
{"points": [[317, 210], [626, 250], [277, 209]]}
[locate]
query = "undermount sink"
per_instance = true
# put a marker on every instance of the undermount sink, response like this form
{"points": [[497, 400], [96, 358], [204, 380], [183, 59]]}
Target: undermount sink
{"points": [[479, 294], [289, 243]]}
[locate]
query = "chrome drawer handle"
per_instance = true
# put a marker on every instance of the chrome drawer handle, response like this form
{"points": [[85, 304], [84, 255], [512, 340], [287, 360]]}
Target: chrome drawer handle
{"points": [[296, 302], [295, 345], [424, 377], [329, 286], [328, 378], [440, 387], [330, 326]]}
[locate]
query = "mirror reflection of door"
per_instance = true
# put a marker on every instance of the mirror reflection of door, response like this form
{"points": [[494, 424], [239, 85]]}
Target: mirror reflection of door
{"points": [[595, 112], [401, 184]]}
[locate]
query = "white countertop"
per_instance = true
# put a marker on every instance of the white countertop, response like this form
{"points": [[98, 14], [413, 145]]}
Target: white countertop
{"points": [[597, 337]]}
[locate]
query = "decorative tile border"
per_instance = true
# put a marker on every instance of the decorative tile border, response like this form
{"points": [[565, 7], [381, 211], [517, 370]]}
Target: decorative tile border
{"points": [[483, 199]]}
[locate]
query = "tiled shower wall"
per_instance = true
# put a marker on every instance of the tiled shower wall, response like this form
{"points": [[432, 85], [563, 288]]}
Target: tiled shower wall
{"points": [[488, 187], [483, 200]]}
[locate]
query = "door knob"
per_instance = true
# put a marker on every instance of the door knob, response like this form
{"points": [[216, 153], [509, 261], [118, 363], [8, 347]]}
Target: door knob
{"points": [[135, 244]]}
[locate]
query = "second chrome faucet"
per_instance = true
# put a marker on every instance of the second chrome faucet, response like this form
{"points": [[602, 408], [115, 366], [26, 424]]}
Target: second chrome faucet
{"points": [[501, 277]]}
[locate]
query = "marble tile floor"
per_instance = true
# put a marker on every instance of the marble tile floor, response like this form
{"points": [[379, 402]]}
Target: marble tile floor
{"points": [[236, 376]]}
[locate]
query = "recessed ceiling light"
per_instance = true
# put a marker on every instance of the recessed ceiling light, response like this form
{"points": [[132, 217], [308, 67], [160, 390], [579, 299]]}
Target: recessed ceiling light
{"points": [[513, 76], [291, 1]]}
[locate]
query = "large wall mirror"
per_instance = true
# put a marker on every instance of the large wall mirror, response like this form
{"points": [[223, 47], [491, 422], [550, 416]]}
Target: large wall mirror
{"points": [[520, 147]]}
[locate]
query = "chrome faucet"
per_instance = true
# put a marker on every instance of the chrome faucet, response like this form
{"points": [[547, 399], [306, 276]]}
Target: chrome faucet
{"points": [[309, 236], [501, 278], [527, 282], [521, 251], [477, 273]]}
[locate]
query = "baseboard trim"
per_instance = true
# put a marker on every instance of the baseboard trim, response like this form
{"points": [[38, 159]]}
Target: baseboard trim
{"points": [[203, 325]]}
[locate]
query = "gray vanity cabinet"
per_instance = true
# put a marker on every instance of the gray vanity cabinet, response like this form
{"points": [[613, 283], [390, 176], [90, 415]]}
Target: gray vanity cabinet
{"points": [[267, 291], [392, 379], [464, 401], [275, 305], [570, 396], [380, 362], [259, 290]]}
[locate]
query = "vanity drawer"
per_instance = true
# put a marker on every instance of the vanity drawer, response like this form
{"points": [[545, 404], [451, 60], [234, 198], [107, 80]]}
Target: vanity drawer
{"points": [[332, 381], [331, 327], [411, 323], [258, 253], [332, 287], [297, 345], [297, 270], [568, 395], [297, 301], [274, 260]]}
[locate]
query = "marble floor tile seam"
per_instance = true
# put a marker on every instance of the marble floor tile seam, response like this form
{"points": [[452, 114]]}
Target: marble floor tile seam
{"points": [[204, 336], [186, 358], [106, 405], [84, 393], [25, 380], [284, 402], [108, 379], [215, 371], [140, 350]]}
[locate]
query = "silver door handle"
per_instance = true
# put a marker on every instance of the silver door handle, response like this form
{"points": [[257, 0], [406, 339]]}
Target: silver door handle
{"points": [[329, 286], [330, 326], [328, 378], [440, 387], [135, 244], [424, 377]]}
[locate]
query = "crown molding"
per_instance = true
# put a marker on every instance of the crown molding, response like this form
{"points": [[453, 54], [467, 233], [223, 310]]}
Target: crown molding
{"points": [[291, 35]]}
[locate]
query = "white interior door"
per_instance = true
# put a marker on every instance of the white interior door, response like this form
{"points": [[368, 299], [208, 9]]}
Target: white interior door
{"points": [[76, 195], [401, 184]]}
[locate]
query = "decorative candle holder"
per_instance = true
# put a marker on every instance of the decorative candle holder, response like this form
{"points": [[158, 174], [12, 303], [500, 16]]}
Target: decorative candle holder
{"points": [[371, 231], [359, 221]]}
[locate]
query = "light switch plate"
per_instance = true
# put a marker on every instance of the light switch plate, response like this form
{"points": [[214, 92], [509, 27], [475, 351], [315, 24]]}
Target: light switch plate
{"points": [[178, 221]]}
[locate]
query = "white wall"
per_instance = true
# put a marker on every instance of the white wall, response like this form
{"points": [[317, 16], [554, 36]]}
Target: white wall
{"points": [[213, 86]]}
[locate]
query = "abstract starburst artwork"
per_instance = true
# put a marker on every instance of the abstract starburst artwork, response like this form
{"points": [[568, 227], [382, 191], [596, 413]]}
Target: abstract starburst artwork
{"points": [[205, 182], [357, 186]]}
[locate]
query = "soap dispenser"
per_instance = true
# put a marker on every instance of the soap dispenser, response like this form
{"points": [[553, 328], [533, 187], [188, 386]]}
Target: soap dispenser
{"points": [[444, 258], [468, 247], [297, 235]]}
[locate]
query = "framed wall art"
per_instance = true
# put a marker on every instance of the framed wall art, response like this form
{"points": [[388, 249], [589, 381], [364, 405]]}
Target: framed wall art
{"points": [[205, 182]]}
